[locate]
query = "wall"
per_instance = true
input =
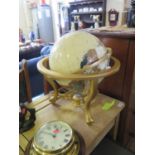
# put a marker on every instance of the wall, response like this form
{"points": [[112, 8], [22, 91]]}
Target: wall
{"points": [[25, 18], [127, 4], [25, 15], [55, 14], [119, 5]]}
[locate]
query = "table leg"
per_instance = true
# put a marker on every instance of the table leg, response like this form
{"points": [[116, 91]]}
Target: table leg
{"points": [[115, 130]]}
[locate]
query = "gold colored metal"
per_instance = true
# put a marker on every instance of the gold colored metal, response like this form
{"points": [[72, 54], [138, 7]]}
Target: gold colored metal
{"points": [[91, 95], [55, 95], [88, 82], [73, 148]]}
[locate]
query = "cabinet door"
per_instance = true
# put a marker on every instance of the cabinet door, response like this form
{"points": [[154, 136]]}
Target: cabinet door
{"points": [[113, 85], [119, 85]]}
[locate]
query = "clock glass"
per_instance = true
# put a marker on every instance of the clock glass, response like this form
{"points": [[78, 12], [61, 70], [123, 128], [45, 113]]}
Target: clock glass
{"points": [[53, 136]]}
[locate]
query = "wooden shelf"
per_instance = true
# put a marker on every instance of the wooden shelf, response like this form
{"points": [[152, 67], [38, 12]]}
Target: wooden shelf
{"points": [[82, 2], [84, 13], [86, 16], [90, 22]]}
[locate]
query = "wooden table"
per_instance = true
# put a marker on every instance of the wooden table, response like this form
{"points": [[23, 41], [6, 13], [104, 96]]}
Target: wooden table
{"points": [[104, 120]]}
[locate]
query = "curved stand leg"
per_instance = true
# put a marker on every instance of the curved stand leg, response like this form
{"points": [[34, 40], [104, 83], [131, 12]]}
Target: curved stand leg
{"points": [[54, 97], [91, 95]]}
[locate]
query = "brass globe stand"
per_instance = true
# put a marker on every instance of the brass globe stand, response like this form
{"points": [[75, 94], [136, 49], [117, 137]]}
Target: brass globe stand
{"points": [[83, 88]]}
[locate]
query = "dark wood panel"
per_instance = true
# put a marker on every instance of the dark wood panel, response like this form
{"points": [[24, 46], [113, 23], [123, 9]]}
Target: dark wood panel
{"points": [[113, 85], [113, 34], [129, 71], [119, 85], [128, 82], [129, 131]]}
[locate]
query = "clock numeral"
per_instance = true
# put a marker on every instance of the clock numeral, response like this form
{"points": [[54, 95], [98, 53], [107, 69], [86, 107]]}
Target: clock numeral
{"points": [[41, 143], [65, 140], [67, 135], [55, 126], [65, 130], [40, 137], [46, 146], [48, 128]]}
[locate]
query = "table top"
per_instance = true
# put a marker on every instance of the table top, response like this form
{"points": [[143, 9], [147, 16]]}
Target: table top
{"points": [[66, 111], [114, 31]]}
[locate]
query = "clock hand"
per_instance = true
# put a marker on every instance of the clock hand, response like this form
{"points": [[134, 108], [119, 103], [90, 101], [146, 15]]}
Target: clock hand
{"points": [[58, 127], [49, 133]]}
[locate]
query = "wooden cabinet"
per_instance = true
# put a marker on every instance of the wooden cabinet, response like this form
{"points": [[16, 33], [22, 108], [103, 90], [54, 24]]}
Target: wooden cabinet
{"points": [[86, 10], [119, 85]]}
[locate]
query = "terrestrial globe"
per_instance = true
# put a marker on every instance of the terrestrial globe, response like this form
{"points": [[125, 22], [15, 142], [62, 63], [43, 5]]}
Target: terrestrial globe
{"points": [[74, 51]]}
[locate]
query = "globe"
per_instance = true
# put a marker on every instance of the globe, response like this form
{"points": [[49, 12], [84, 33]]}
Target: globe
{"points": [[75, 50], [78, 61]]}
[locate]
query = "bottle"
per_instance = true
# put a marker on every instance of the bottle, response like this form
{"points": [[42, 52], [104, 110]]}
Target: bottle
{"points": [[21, 36], [72, 26], [96, 20], [80, 24], [31, 36], [96, 25]]}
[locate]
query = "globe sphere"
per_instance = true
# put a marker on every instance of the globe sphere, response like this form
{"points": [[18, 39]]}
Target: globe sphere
{"points": [[73, 51]]}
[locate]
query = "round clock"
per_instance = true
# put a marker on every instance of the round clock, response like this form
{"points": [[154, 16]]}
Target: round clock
{"points": [[55, 138]]}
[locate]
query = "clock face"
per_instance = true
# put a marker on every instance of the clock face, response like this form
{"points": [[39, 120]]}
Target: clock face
{"points": [[53, 136]]}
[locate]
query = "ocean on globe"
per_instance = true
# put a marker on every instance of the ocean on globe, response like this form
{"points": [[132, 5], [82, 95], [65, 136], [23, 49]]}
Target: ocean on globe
{"points": [[73, 51]]}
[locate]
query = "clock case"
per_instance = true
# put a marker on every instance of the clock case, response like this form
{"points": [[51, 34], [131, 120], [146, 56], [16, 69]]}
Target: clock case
{"points": [[76, 146]]}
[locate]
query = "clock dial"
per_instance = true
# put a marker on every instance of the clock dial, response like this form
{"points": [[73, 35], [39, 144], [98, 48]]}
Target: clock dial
{"points": [[53, 136]]}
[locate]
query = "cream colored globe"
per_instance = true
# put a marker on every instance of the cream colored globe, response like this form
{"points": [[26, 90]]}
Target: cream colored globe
{"points": [[75, 50]]}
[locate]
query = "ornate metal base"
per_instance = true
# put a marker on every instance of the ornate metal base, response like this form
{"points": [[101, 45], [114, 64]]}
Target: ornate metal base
{"points": [[82, 96]]}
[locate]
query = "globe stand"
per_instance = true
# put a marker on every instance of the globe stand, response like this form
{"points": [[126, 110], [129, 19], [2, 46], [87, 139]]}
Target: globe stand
{"points": [[87, 92]]}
